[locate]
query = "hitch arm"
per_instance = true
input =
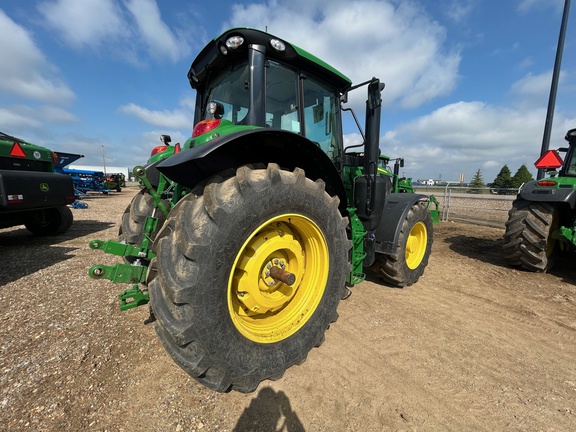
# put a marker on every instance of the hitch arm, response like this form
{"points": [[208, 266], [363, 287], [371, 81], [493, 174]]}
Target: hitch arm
{"points": [[121, 249], [126, 273]]}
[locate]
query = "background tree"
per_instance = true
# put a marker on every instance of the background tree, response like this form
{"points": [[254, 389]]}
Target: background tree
{"points": [[477, 183], [521, 176], [504, 179]]}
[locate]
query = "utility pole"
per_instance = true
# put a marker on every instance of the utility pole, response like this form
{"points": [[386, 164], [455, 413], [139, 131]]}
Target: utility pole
{"points": [[103, 160], [554, 85]]}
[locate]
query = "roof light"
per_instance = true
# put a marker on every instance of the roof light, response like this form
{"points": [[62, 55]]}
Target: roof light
{"points": [[158, 149], [277, 44], [205, 126], [234, 42], [549, 160], [546, 183], [16, 151]]}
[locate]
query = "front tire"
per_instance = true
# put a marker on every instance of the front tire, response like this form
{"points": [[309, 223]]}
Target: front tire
{"points": [[407, 264], [134, 218], [527, 240], [220, 314]]}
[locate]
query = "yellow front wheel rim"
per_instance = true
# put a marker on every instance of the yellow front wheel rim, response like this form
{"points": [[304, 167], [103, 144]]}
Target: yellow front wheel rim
{"points": [[416, 245], [265, 309]]}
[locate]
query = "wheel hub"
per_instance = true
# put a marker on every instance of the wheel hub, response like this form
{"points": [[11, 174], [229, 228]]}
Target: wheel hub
{"points": [[278, 278]]}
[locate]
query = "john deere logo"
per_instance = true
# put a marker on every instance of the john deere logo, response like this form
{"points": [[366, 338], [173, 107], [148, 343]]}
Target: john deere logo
{"points": [[44, 187]]}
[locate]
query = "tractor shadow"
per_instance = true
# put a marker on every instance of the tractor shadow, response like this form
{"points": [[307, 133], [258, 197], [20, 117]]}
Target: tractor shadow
{"points": [[23, 254], [269, 411], [482, 249], [491, 252]]}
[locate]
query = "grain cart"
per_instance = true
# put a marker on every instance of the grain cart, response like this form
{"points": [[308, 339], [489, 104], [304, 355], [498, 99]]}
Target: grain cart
{"points": [[269, 220], [31, 193], [542, 221]]}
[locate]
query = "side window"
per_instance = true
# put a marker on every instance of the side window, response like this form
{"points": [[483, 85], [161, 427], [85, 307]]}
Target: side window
{"points": [[230, 88], [571, 166], [282, 97], [320, 116]]}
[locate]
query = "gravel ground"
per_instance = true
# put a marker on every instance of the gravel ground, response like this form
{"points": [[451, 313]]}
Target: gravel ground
{"points": [[450, 353]]}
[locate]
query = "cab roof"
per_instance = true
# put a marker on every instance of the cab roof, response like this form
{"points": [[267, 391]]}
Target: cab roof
{"points": [[212, 57]]}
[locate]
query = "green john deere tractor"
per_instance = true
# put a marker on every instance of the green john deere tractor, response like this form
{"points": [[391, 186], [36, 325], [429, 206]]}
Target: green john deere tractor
{"points": [[542, 222], [244, 241]]}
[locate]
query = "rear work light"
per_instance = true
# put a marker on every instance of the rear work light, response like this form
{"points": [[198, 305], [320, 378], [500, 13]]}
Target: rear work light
{"points": [[158, 149], [16, 151], [546, 183], [205, 126]]}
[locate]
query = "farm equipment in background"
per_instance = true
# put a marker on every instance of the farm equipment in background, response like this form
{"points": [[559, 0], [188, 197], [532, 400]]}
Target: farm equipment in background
{"points": [[84, 180], [245, 240], [31, 192], [542, 222], [114, 181]]}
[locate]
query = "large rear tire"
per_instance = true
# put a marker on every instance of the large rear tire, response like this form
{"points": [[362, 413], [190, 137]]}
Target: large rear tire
{"points": [[527, 240], [52, 221], [407, 264], [220, 314]]}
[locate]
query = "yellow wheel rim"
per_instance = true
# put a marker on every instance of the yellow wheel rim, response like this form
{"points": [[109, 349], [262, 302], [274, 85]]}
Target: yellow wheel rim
{"points": [[416, 245], [267, 310]]}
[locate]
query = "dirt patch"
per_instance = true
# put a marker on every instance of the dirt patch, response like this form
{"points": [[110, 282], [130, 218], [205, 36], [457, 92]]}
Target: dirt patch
{"points": [[474, 345]]}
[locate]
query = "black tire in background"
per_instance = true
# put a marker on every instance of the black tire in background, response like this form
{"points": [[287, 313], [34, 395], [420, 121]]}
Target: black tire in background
{"points": [[527, 240], [50, 221], [407, 264], [134, 218], [220, 314]]}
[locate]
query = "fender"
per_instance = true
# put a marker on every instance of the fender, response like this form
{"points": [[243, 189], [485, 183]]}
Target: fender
{"points": [[395, 211], [531, 192], [254, 146]]}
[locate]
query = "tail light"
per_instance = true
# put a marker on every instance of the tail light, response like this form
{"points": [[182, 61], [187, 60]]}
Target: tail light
{"points": [[177, 148], [546, 183], [158, 149], [55, 158], [205, 126]]}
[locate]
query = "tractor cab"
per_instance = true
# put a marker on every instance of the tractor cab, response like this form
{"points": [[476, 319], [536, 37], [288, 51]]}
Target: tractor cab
{"points": [[246, 78]]}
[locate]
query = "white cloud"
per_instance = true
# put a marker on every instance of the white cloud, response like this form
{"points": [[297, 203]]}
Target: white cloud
{"points": [[12, 120], [161, 42], [86, 23], [465, 136], [175, 119], [395, 41], [528, 5], [534, 85], [459, 10], [25, 71], [122, 29]]}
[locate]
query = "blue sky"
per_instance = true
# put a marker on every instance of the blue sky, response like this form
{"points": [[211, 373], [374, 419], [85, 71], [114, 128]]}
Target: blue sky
{"points": [[467, 81]]}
